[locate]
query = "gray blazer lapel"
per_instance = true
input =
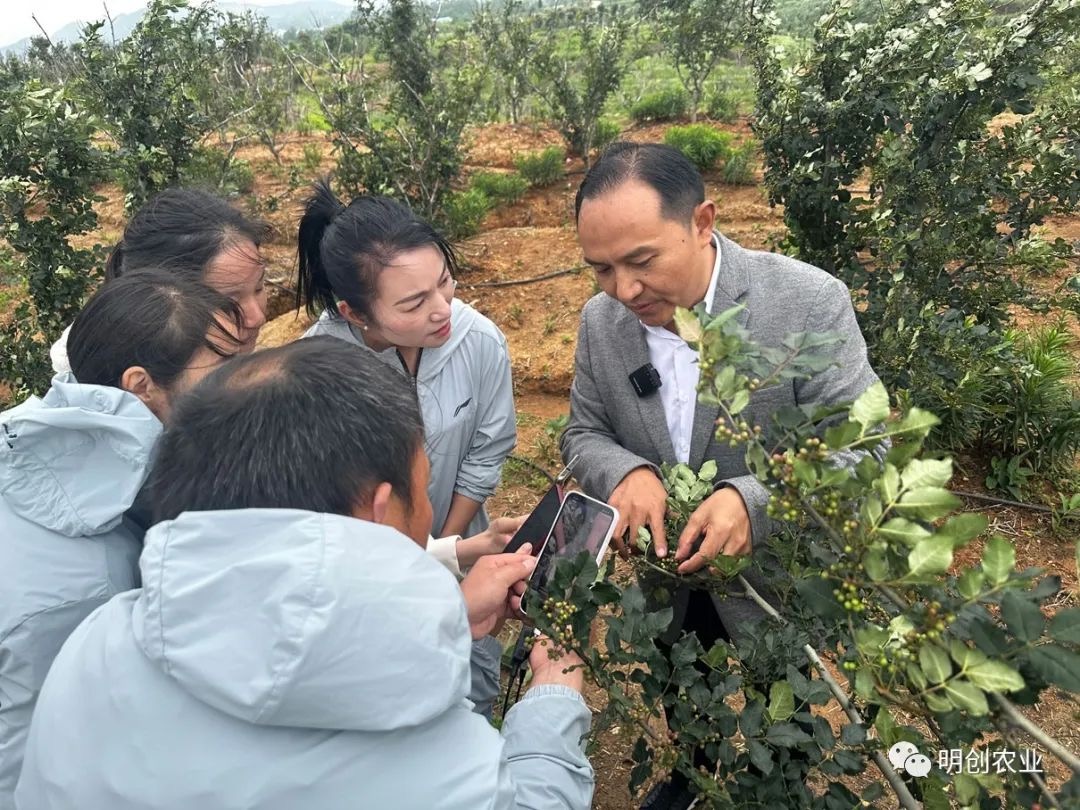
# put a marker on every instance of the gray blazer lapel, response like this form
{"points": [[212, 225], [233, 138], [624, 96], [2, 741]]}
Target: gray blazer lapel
{"points": [[731, 288], [630, 337]]}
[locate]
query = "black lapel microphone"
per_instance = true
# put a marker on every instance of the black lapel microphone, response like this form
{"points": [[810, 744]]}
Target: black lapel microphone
{"points": [[645, 380]]}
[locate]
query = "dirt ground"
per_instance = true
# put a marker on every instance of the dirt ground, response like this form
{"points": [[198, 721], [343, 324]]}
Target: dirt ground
{"points": [[535, 236]]}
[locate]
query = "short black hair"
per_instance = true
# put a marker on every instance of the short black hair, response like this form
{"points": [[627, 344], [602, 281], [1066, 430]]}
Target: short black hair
{"points": [[315, 425], [152, 319], [181, 230], [343, 248], [661, 167]]}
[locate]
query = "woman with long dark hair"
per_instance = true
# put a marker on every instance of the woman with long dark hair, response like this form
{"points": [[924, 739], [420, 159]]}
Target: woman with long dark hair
{"points": [[72, 463], [200, 237]]}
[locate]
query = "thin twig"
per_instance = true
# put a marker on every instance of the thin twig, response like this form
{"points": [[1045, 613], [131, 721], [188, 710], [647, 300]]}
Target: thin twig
{"points": [[887, 770], [555, 274], [1006, 732]]}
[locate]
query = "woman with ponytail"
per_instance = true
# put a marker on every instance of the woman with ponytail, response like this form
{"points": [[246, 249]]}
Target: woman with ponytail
{"points": [[197, 236], [384, 281]]}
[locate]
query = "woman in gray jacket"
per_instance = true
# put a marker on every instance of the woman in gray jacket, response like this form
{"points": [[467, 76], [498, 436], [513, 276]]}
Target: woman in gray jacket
{"points": [[72, 463], [384, 281]]}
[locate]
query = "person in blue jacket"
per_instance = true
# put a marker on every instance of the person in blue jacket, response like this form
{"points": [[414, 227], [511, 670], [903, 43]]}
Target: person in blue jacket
{"points": [[293, 646], [71, 464]]}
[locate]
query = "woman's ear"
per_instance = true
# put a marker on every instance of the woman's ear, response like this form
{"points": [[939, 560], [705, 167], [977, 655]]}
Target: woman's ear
{"points": [[137, 380], [347, 313]]}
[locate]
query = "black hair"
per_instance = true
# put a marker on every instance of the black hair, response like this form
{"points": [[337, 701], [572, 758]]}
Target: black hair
{"points": [[343, 248], [312, 425], [663, 168], [181, 230], [152, 319]]}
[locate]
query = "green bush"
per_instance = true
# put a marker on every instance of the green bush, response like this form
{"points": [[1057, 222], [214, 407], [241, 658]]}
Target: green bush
{"points": [[218, 170], [499, 187], [739, 168], [661, 106], [542, 168], [606, 131], [722, 106], [463, 211], [702, 144]]}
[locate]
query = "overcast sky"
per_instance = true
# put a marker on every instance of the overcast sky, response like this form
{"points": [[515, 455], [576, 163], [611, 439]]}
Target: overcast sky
{"points": [[16, 22]]}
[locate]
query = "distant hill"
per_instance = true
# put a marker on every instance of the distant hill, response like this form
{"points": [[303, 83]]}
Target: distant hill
{"points": [[301, 16]]}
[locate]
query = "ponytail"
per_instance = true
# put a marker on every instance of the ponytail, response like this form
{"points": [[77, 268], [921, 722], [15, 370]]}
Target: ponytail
{"points": [[314, 290], [115, 263], [343, 249]]}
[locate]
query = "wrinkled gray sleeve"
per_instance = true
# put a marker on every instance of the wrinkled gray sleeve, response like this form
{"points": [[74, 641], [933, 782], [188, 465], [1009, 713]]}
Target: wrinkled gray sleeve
{"points": [[485, 664], [496, 432], [602, 461]]}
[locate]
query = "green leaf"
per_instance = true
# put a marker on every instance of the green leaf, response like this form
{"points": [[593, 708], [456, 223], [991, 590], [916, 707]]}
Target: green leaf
{"points": [[886, 727], [966, 697], [1065, 626], [717, 655], [970, 583], [707, 471], [688, 325], [840, 436], [889, 484], [935, 663], [967, 788], [876, 565], [739, 401], [999, 559], [871, 407], [965, 656], [1022, 616], [931, 556], [786, 734], [864, 682], [760, 756], [927, 472], [903, 530], [917, 422], [750, 719], [853, 734], [995, 676], [927, 503], [916, 676], [781, 701], [1057, 665], [938, 703], [963, 528]]}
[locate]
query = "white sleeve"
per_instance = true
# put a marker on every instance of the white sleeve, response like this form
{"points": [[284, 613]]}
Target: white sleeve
{"points": [[58, 353], [444, 549]]}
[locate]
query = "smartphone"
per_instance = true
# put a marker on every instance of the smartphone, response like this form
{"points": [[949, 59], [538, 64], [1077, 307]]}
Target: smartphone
{"points": [[537, 525], [582, 523]]}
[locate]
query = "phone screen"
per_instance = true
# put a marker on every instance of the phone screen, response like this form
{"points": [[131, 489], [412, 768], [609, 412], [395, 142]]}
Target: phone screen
{"points": [[583, 523], [537, 525]]}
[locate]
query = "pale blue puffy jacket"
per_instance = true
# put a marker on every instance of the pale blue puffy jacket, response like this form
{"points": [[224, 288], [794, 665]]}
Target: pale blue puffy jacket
{"points": [[286, 659], [71, 464]]}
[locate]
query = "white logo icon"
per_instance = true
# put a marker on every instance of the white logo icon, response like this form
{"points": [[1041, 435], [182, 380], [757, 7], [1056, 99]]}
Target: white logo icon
{"points": [[906, 757]]}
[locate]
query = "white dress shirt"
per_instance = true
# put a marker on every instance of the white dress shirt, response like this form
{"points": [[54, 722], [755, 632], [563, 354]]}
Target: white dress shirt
{"points": [[677, 365]]}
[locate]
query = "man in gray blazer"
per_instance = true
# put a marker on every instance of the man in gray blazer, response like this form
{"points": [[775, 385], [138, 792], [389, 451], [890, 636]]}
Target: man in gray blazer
{"points": [[647, 230]]}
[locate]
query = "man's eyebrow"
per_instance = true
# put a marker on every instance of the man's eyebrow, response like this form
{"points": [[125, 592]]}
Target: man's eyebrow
{"points": [[637, 253]]}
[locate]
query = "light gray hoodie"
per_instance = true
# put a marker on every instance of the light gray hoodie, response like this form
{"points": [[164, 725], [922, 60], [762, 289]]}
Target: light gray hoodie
{"points": [[283, 660], [467, 400], [71, 464]]}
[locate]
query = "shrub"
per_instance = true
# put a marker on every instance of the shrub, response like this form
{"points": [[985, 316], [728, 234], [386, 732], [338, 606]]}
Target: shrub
{"points": [[218, 170], [542, 168], [606, 131], [722, 106], [499, 187], [702, 144], [50, 167], [739, 168], [661, 106], [463, 212]]}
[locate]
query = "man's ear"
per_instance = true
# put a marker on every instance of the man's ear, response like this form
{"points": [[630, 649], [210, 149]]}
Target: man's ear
{"points": [[379, 506], [704, 221]]}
